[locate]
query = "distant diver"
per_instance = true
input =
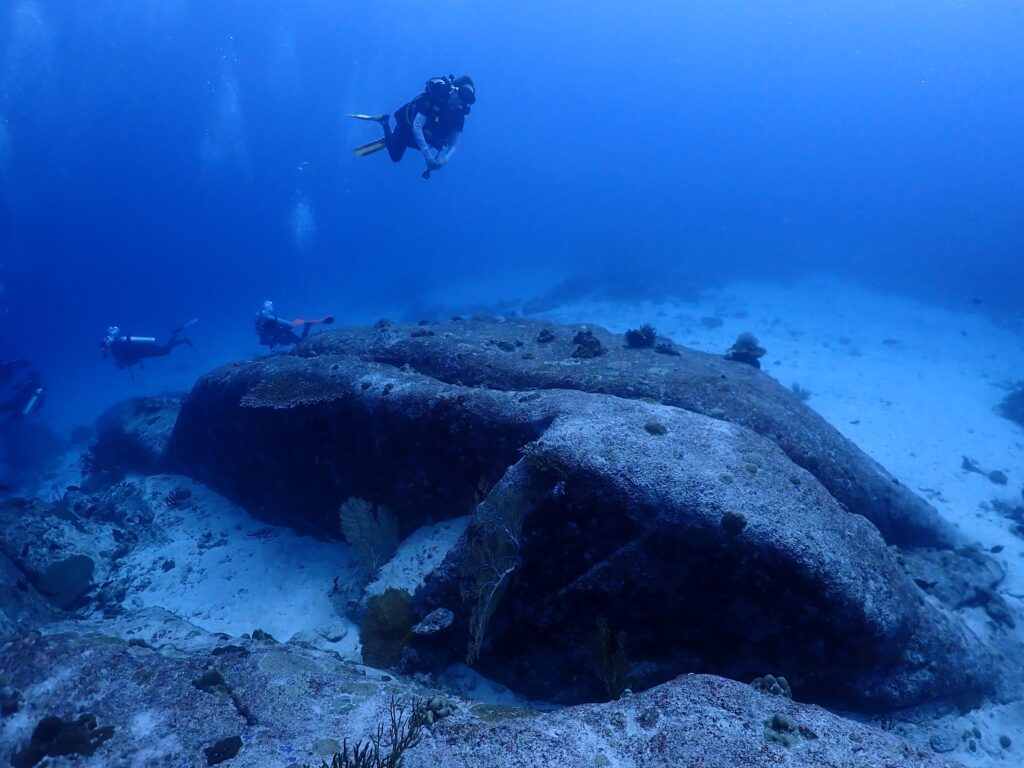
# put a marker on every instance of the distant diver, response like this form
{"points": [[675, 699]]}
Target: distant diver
{"points": [[132, 350], [275, 331], [27, 400], [432, 123]]}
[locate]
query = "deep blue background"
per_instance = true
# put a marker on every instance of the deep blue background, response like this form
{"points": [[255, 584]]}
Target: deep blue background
{"points": [[156, 154]]}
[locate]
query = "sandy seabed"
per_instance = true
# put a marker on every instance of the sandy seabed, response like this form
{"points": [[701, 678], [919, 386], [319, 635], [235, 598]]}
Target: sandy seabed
{"points": [[915, 386]]}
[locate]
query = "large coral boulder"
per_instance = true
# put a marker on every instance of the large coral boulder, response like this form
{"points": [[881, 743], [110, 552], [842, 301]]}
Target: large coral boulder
{"points": [[696, 539], [522, 354]]}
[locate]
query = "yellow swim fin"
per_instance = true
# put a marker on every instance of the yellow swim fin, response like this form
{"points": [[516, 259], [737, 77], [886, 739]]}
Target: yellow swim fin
{"points": [[369, 149], [373, 118]]}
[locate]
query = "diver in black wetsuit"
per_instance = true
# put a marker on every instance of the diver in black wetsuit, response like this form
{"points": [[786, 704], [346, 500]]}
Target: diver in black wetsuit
{"points": [[275, 331], [131, 350], [432, 122], [28, 399]]}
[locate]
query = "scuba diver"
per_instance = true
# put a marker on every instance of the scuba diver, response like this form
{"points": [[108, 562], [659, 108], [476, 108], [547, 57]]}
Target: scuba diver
{"points": [[432, 123], [130, 350], [275, 331], [28, 399]]}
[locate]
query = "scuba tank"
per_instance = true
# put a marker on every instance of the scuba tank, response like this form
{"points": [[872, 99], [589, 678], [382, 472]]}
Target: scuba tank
{"points": [[138, 339], [33, 402]]}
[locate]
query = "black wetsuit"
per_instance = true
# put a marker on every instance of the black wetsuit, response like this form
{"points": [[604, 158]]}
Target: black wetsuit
{"points": [[275, 332], [440, 124]]}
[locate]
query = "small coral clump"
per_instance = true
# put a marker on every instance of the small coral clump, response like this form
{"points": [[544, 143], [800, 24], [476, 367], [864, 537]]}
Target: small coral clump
{"points": [[642, 337], [386, 748], [773, 686], [587, 345], [746, 350], [177, 498], [802, 392]]}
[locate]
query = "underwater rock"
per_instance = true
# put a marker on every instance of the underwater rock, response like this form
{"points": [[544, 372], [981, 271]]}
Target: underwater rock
{"points": [[961, 578], [618, 525], [63, 554], [436, 621], [746, 349], [605, 527], [158, 717], [133, 435], [996, 476], [587, 345], [696, 381], [784, 730], [22, 608], [54, 737], [66, 581], [1012, 406]]}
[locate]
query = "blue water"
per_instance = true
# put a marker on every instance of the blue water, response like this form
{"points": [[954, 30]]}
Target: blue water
{"points": [[162, 160]]}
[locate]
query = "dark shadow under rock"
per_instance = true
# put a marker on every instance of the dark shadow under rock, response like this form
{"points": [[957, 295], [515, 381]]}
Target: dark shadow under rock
{"points": [[54, 737]]}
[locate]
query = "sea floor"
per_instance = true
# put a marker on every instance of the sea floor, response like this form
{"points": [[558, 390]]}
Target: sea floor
{"points": [[915, 386]]}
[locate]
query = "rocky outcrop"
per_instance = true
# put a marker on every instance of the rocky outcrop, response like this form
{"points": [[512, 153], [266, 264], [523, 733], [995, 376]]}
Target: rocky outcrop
{"points": [[157, 706], [519, 354], [697, 539], [133, 435], [69, 548]]}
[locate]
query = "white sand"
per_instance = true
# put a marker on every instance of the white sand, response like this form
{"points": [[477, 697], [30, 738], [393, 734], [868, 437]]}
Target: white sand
{"points": [[233, 574]]}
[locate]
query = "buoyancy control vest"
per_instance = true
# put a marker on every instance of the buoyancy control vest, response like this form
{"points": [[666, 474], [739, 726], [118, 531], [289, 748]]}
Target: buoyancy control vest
{"points": [[442, 120]]}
